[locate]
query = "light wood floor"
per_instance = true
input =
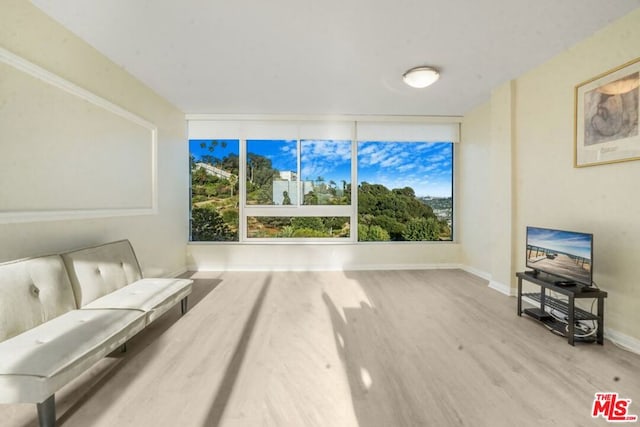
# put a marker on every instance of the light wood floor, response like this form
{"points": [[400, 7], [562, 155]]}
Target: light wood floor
{"points": [[342, 349]]}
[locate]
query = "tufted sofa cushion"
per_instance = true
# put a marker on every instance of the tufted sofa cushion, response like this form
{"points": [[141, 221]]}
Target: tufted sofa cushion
{"points": [[36, 363], [154, 296], [100, 270], [33, 291]]}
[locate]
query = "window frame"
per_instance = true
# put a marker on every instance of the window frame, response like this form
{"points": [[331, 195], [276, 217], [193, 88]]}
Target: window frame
{"points": [[200, 122], [299, 210]]}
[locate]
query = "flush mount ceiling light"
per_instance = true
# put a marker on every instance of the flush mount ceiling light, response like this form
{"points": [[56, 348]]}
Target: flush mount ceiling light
{"points": [[420, 77]]}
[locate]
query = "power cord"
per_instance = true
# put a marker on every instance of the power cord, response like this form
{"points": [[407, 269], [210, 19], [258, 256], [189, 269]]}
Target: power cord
{"points": [[586, 330], [586, 334]]}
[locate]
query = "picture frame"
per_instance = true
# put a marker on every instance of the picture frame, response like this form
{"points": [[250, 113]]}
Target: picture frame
{"points": [[607, 110]]}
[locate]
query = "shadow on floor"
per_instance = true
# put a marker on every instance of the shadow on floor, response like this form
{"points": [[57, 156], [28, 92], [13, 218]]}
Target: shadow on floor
{"points": [[235, 364], [385, 350]]}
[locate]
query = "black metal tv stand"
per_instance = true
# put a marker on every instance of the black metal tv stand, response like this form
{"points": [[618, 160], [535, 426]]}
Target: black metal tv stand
{"points": [[568, 308]]}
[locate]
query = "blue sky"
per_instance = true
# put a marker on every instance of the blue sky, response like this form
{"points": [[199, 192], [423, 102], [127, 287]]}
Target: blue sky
{"points": [[569, 242], [425, 167]]}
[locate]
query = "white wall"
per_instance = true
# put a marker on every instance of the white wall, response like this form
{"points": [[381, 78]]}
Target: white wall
{"points": [[548, 191], [500, 180], [159, 239], [285, 257], [600, 199], [475, 208]]}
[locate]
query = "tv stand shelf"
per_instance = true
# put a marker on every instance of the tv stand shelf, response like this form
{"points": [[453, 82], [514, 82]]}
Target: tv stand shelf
{"points": [[561, 306], [568, 307]]}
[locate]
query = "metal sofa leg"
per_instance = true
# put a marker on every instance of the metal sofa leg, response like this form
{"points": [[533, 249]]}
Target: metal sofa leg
{"points": [[184, 305], [47, 412]]}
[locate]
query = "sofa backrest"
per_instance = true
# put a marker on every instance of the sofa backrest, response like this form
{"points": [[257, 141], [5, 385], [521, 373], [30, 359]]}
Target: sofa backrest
{"points": [[99, 270], [33, 291]]}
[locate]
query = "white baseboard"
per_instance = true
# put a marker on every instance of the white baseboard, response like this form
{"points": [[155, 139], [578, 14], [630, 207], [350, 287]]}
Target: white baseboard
{"points": [[493, 284], [365, 267], [504, 289], [623, 341], [500, 287], [476, 272], [358, 267]]}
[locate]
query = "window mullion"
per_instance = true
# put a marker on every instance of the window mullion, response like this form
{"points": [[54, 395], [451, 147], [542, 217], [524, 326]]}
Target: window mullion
{"points": [[242, 189], [299, 172], [354, 183]]}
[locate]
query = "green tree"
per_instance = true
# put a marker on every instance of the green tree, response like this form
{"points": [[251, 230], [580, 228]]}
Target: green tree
{"points": [[260, 170], [230, 217], [311, 198], [233, 181], [309, 232], [308, 222], [335, 222], [260, 177], [231, 164], [372, 233], [200, 176], [208, 158], [422, 229], [213, 144], [392, 210], [208, 225], [392, 226], [287, 231], [406, 191], [275, 221]]}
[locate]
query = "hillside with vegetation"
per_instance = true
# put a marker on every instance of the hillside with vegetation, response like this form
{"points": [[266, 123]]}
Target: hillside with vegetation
{"points": [[397, 215]]}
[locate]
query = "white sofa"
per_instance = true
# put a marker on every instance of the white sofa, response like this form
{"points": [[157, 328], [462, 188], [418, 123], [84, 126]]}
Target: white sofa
{"points": [[60, 314]]}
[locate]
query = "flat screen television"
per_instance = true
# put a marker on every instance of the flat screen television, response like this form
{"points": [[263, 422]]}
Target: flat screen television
{"points": [[567, 255]]}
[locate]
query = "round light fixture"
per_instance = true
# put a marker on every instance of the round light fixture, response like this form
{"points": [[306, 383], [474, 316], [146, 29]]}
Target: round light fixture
{"points": [[420, 77]]}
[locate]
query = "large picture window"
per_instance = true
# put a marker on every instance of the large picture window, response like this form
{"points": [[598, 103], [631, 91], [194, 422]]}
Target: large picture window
{"points": [[291, 181]]}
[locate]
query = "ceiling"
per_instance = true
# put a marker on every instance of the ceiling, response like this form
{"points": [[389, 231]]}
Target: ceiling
{"points": [[330, 56]]}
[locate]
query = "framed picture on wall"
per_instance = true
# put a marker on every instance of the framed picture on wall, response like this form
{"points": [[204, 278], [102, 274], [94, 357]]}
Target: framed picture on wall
{"points": [[606, 117]]}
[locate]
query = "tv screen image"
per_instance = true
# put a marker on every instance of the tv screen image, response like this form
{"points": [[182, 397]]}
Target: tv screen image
{"points": [[565, 254]]}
